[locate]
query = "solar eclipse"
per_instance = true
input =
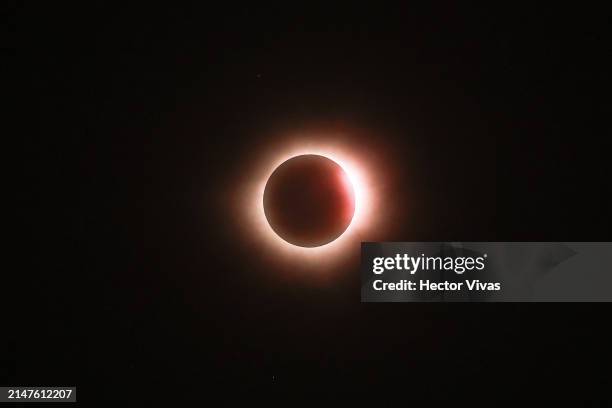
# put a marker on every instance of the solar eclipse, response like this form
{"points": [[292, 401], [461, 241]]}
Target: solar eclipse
{"points": [[309, 200], [306, 199]]}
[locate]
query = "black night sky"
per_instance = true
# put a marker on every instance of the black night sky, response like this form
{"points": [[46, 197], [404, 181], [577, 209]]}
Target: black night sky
{"points": [[140, 116]]}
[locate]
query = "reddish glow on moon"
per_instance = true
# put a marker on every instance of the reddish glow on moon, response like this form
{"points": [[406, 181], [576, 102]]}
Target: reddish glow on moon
{"points": [[309, 200], [362, 203]]}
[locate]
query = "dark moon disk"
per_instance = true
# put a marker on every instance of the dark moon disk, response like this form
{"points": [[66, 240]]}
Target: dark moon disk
{"points": [[309, 200]]}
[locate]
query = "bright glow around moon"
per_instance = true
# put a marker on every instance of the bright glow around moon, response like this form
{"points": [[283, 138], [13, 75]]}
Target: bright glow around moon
{"points": [[357, 171]]}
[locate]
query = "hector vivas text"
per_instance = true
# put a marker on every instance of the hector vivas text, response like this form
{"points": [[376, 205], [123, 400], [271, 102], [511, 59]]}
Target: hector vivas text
{"points": [[428, 264]]}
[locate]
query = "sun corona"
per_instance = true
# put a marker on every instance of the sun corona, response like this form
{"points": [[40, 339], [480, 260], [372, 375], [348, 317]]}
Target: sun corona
{"points": [[362, 170]]}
